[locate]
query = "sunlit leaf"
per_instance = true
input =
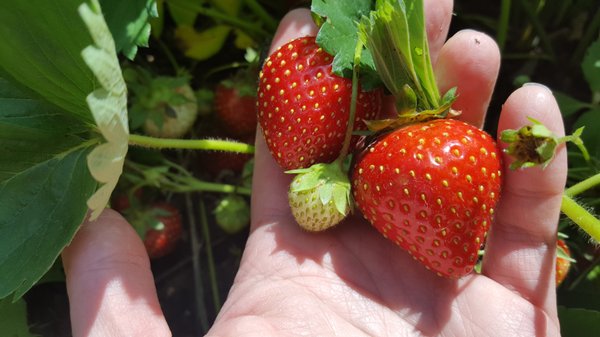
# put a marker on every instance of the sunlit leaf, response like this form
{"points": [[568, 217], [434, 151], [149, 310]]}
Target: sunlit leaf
{"points": [[203, 44], [129, 23], [108, 105], [41, 42]]}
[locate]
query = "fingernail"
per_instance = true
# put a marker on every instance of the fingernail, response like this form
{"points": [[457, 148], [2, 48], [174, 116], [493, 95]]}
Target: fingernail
{"points": [[535, 84]]}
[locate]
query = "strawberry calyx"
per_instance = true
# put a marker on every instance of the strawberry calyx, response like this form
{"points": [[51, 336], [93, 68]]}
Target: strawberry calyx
{"points": [[396, 37], [535, 145], [329, 181]]}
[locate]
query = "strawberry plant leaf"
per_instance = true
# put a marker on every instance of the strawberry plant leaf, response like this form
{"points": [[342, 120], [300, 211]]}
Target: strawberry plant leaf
{"points": [[590, 119], [32, 131], [40, 50], [569, 105], [591, 66], [43, 186], [13, 318], [108, 105], [180, 13], [129, 23], [42, 40], [40, 210], [338, 36], [578, 322], [203, 44], [396, 36]]}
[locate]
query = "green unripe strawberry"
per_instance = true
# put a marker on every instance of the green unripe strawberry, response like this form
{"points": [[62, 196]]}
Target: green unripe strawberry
{"points": [[232, 213], [319, 196]]}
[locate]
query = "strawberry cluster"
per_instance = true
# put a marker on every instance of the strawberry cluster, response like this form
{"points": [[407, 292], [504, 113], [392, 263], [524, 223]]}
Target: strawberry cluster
{"points": [[425, 181]]}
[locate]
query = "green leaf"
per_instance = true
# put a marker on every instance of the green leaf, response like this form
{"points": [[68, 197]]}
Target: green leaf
{"points": [[395, 35], [13, 318], [578, 322], [180, 13], [32, 131], [569, 105], [338, 35], [40, 211], [129, 23], [108, 105], [591, 121], [40, 49], [202, 45], [591, 66]]}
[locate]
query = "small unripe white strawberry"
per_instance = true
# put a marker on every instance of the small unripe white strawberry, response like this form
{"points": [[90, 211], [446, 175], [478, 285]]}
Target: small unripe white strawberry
{"points": [[177, 119], [319, 196]]}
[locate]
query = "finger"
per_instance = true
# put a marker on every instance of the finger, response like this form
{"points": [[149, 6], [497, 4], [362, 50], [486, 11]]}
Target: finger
{"points": [[269, 195], [470, 61], [521, 247], [439, 15], [110, 286]]}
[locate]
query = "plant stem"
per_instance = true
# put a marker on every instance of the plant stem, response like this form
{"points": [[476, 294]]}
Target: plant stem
{"points": [[583, 186], [228, 19], [191, 144], [195, 246], [579, 215], [190, 184], [262, 14], [212, 273], [503, 23], [350, 128]]}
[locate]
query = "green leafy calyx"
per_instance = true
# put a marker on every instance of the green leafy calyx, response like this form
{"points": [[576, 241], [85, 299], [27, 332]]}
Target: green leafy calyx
{"points": [[329, 181], [396, 37], [534, 145]]}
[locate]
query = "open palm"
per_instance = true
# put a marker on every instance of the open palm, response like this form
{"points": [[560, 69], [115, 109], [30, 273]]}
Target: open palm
{"points": [[350, 281]]}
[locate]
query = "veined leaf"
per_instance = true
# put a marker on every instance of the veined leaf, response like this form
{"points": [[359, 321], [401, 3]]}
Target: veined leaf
{"points": [[40, 211], [108, 105], [40, 49], [396, 36], [338, 35], [32, 132], [129, 23], [44, 183]]}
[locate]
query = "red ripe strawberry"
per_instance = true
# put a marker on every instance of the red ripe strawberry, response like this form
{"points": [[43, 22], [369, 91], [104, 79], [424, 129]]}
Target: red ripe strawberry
{"points": [[562, 264], [431, 188], [163, 230], [236, 108], [303, 107]]}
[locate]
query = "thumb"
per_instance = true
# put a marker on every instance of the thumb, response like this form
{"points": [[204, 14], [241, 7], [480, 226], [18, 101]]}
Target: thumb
{"points": [[109, 282]]}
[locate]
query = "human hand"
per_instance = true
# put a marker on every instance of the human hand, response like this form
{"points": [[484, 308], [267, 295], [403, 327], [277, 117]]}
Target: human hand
{"points": [[350, 281]]}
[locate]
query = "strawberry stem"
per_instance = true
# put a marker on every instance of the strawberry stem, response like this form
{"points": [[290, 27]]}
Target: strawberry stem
{"points": [[583, 186], [395, 35], [196, 263], [190, 144], [179, 182], [262, 14], [212, 271], [580, 216], [350, 127]]}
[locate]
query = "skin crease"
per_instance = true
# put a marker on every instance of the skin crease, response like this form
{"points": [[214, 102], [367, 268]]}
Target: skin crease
{"points": [[350, 281]]}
